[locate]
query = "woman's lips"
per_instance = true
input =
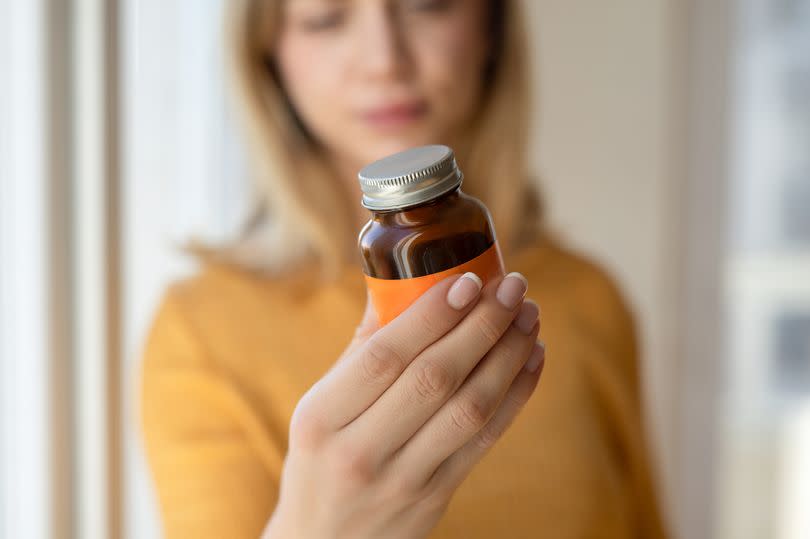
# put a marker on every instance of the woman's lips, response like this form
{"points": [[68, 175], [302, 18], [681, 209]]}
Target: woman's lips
{"points": [[396, 115]]}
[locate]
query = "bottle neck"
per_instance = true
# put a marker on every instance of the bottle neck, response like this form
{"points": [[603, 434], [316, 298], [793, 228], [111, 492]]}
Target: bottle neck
{"points": [[422, 213]]}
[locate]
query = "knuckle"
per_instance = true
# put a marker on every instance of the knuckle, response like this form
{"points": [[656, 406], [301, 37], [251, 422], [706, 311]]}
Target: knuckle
{"points": [[404, 486], [432, 381], [306, 431], [470, 414], [487, 437], [487, 329], [507, 354], [518, 396], [353, 464], [423, 324], [379, 360]]}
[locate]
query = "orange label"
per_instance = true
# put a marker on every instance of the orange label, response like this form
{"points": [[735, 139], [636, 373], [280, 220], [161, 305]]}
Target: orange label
{"points": [[392, 296]]}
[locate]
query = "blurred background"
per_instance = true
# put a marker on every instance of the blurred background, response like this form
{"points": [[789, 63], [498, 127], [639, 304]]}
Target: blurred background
{"points": [[672, 140]]}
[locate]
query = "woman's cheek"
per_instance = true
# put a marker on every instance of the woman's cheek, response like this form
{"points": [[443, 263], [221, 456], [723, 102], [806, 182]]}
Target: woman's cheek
{"points": [[312, 84]]}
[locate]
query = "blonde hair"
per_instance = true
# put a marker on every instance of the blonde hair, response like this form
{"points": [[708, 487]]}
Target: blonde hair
{"points": [[294, 218]]}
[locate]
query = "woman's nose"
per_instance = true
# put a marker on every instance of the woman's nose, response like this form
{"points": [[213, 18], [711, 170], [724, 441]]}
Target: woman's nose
{"points": [[381, 47]]}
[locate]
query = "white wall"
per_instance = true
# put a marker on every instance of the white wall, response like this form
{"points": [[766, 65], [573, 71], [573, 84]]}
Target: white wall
{"points": [[607, 150]]}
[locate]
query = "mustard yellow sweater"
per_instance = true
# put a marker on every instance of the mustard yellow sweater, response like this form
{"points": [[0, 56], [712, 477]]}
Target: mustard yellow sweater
{"points": [[229, 355]]}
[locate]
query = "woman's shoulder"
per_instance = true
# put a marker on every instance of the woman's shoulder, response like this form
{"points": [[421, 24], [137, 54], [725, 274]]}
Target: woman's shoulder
{"points": [[553, 260], [575, 282], [217, 294], [221, 284]]}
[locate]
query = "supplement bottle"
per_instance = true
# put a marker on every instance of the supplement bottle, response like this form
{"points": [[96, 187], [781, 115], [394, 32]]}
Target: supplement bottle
{"points": [[423, 228]]}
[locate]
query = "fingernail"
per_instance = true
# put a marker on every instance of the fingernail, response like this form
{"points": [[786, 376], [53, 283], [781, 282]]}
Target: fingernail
{"points": [[537, 356], [512, 289], [464, 290], [527, 316]]}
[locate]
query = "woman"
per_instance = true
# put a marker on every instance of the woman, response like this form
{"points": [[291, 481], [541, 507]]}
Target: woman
{"points": [[261, 417]]}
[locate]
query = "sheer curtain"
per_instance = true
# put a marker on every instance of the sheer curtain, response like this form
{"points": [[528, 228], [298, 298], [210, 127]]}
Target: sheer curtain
{"points": [[25, 413], [183, 176], [764, 473]]}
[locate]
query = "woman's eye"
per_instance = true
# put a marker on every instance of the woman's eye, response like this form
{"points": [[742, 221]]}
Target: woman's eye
{"points": [[322, 21]]}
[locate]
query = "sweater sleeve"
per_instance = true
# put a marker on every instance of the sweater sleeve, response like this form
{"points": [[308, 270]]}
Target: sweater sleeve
{"points": [[617, 374], [210, 473]]}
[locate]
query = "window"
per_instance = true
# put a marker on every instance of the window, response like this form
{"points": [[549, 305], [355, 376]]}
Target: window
{"points": [[765, 453]]}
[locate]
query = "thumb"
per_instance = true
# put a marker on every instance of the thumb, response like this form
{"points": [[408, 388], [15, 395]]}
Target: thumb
{"points": [[369, 322]]}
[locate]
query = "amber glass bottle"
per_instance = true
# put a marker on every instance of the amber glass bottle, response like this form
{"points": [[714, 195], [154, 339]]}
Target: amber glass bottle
{"points": [[423, 228]]}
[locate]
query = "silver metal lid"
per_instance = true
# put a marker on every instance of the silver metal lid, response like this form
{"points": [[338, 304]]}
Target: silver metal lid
{"points": [[409, 177]]}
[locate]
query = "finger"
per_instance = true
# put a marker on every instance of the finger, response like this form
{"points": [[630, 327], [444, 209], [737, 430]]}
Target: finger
{"points": [[439, 371], [471, 407], [452, 472], [369, 323], [353, 385]]}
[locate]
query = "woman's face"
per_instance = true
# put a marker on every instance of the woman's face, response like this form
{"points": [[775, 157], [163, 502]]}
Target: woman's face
{"points": [[373, 77]]}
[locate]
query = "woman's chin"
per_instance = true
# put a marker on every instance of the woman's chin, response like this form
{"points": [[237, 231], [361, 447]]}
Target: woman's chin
{"points": [[380, 147]]}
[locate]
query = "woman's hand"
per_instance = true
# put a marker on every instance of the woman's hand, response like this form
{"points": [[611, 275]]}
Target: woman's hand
{"points": [[379, 445]]}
